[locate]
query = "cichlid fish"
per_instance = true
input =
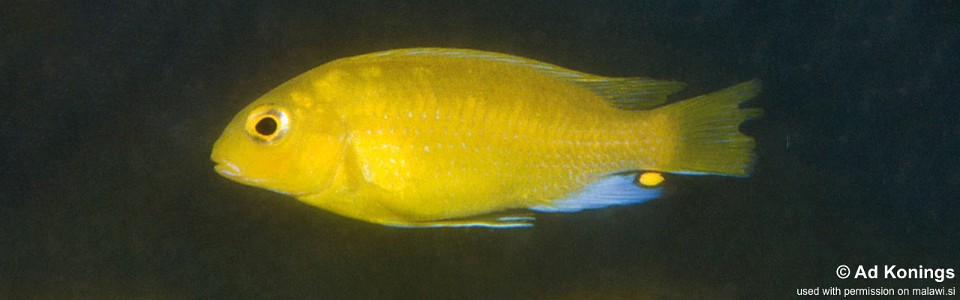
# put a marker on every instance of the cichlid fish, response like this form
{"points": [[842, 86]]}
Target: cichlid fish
{"points": [[434, 137]]}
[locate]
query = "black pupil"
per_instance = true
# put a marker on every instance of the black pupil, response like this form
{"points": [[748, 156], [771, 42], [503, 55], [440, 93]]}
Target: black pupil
{"points": [[266, 126]]}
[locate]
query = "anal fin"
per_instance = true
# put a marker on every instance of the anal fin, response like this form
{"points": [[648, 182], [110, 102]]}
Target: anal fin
{"points": [[615, 189]]}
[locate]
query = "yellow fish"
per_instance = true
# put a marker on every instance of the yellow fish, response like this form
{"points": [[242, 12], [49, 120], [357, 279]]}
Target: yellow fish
{"points": [[434, 137]]}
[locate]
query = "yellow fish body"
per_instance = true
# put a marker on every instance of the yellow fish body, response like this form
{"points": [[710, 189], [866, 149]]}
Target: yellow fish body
{"points": [[433, 137]]}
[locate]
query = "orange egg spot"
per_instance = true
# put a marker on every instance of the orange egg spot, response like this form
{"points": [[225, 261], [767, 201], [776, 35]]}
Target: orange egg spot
{"points": [[650, 179]]}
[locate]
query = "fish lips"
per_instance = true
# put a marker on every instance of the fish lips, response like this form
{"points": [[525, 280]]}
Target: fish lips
{"points": [[232, 172], [227, 169]]}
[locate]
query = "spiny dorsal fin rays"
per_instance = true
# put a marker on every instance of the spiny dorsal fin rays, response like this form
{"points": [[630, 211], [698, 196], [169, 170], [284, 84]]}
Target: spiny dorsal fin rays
{"points": [[632, 93]]}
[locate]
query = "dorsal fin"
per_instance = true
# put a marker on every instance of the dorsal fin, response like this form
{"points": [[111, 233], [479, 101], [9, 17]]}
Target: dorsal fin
{"points": [[633, 93], [622, 92]]}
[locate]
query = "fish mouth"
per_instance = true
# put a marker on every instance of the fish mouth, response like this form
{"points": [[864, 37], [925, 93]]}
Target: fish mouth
{"points": [[227, 169], [232, 172]]}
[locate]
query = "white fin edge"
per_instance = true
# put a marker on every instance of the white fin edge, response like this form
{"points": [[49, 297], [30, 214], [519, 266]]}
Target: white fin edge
{"points": [[488, 221]]}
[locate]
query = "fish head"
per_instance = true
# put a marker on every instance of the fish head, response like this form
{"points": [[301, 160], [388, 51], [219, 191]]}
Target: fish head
{"points": [[285, 141]]}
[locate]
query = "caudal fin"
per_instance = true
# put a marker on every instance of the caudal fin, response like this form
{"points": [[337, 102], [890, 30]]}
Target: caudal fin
{"points": [[710, 141]]}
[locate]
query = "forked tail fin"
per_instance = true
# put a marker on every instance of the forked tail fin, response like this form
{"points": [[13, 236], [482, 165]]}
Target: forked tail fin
{"points": [[709, 138]]}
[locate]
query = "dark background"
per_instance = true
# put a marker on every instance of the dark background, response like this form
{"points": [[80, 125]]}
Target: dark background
{"points": [[109, 112]]}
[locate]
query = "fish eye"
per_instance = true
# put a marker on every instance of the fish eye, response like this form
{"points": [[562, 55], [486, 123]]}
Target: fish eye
{"points": [[267, 124]]}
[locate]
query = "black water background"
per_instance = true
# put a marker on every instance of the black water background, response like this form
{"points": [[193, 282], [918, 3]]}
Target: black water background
{"points": [[109, 111]]}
